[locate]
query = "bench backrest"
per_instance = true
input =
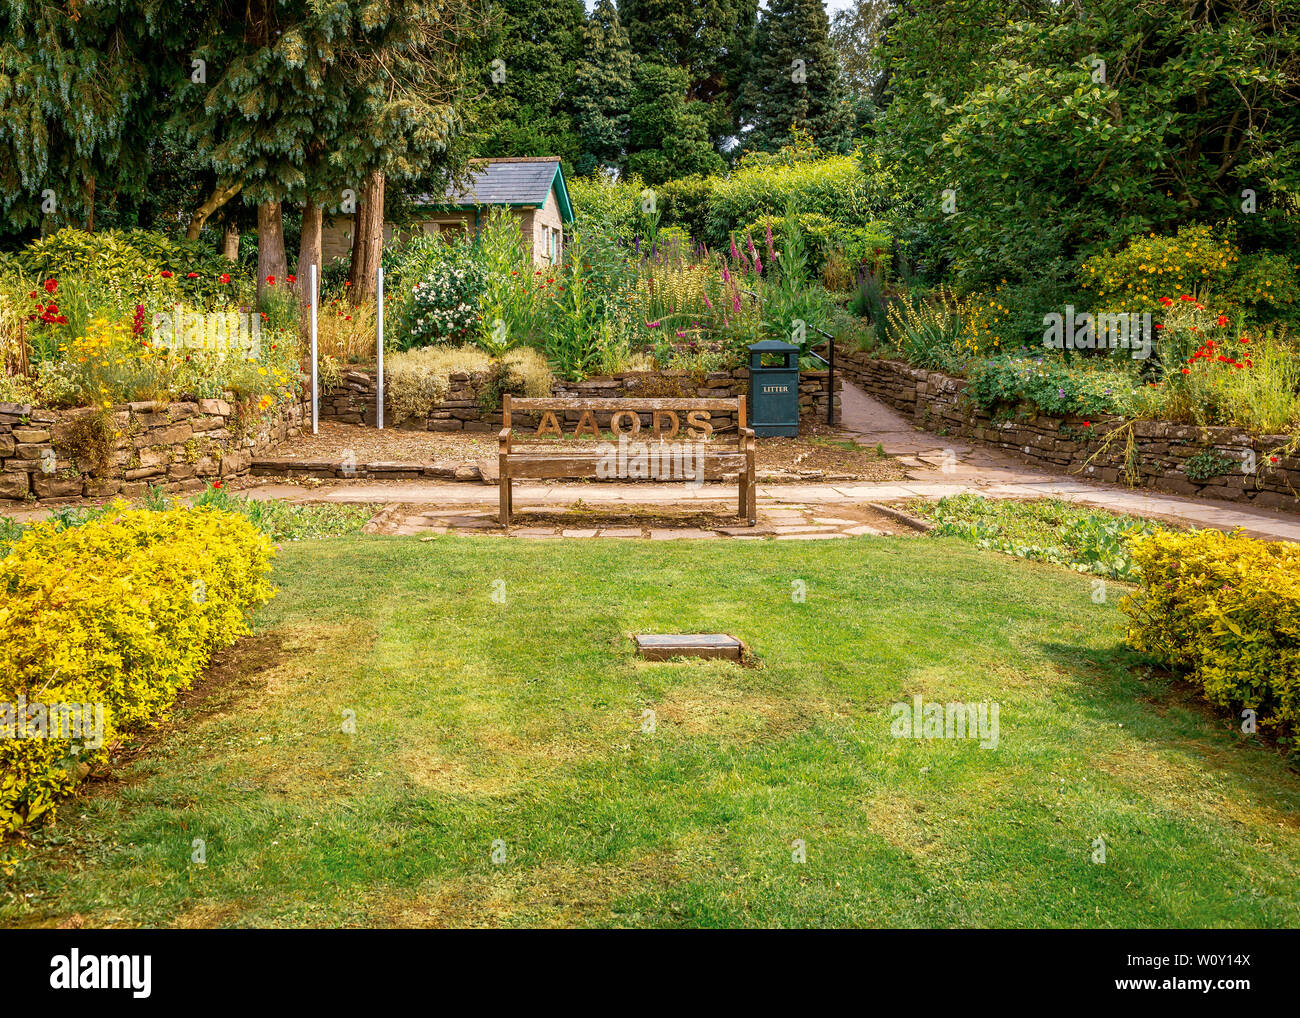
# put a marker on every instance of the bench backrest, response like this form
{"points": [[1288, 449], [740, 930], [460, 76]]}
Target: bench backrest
{"points": [[665, 417]]}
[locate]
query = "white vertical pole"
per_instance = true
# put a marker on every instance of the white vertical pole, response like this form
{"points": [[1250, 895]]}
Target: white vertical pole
{"points": [[379, 370], [315, 409]]}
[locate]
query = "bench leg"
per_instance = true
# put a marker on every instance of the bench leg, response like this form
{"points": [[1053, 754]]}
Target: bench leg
{"points": [[751, 489], [744, 493], [505, 494]]}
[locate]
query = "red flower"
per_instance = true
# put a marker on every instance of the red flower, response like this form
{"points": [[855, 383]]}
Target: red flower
{"points": [[347, 282], [165, 273], [1222, 320], [291, 279], [1187, 371], [1186, 298], [1166, 301], [1245, 339], [224, 278], [271, 280], [51, 285], [1272, 459], [35, 295], [1087, 424], [217, 485], [1158, 325], [191, 275]]}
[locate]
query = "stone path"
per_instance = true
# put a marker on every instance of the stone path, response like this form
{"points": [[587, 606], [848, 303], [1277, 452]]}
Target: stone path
{"points": [[783, 522], [937, 466]]}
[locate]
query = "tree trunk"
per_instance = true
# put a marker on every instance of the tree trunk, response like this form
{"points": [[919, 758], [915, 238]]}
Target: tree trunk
{"points": [[230, 241], [219, 196], [89, 191], [367, 239], [309, 251], [271, 260]]}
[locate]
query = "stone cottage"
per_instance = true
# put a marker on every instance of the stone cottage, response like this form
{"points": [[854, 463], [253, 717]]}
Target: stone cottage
{"points": [[531, 187]]}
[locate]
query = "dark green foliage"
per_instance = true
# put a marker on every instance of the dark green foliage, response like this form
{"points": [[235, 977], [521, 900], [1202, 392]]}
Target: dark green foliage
{"points": [[793, 82], [711, 40], [532, 112], [1052, 156], [668, 136], [604, 90]]}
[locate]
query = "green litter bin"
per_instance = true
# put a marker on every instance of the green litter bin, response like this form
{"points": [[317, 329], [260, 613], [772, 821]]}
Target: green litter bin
{"points": [[773, 389]]}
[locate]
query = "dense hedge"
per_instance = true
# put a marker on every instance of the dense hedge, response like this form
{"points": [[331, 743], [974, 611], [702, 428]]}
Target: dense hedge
{"points": [[124, 612], [1225, 609]]}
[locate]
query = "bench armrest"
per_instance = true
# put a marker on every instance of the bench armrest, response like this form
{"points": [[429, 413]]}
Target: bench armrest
{"points": [[504, 439], [746, 432]]}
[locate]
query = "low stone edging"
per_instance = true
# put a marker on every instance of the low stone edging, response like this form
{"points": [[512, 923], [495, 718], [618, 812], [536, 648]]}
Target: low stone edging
{"points": [[79, 453], [1161, 449]]}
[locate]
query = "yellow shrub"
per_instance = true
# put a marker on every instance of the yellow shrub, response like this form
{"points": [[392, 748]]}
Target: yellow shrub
{"points": [[122, 612], [1225, 609]]}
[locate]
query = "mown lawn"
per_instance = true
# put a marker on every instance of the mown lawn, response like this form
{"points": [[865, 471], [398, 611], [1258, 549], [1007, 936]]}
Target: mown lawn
{"points": [[521, 723]]}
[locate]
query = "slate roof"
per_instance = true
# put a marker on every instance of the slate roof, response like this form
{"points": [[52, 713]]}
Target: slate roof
{"points": [[522, 181]]}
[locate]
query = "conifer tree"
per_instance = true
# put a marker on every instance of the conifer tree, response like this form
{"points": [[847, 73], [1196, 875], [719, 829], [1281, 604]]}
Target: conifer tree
{"points": [[668, 135], [709, 39], [794, 81], [604, 89]]}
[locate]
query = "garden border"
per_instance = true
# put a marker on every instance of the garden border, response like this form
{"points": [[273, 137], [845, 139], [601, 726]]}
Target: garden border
{"points": [[1155, 452]]}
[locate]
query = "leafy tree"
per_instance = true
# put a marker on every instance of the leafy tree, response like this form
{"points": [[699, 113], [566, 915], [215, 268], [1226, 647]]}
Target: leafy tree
{"points": [[855, 34], [1057, 135], [529, 66], [287, 90], [668, 136], [794, 80], [604, 88], [709, 39], [78, 99]]}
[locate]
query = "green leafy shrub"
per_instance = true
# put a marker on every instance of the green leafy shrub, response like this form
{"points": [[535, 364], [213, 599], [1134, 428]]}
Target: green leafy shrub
{"points": [[1224, 609], [1208, 463], [1046, 530], [1051, 384], [122, 612], [443, 306], [834, 188]]}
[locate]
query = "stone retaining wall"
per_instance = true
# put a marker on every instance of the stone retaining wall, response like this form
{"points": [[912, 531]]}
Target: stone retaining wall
{"points": [[1159, 453], [462, 410], [127, 448]]}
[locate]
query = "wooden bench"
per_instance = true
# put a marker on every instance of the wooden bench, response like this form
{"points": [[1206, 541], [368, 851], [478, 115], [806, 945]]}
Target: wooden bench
{"points": [[714, 452]]}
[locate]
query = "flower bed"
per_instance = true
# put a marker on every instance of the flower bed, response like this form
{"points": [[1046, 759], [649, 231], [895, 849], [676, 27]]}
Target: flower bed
{"points": [[1260, 469]]}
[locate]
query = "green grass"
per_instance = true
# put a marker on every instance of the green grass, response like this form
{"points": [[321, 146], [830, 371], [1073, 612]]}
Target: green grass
{"points": [[278, 519], [522, 722], [1043, 530]]}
